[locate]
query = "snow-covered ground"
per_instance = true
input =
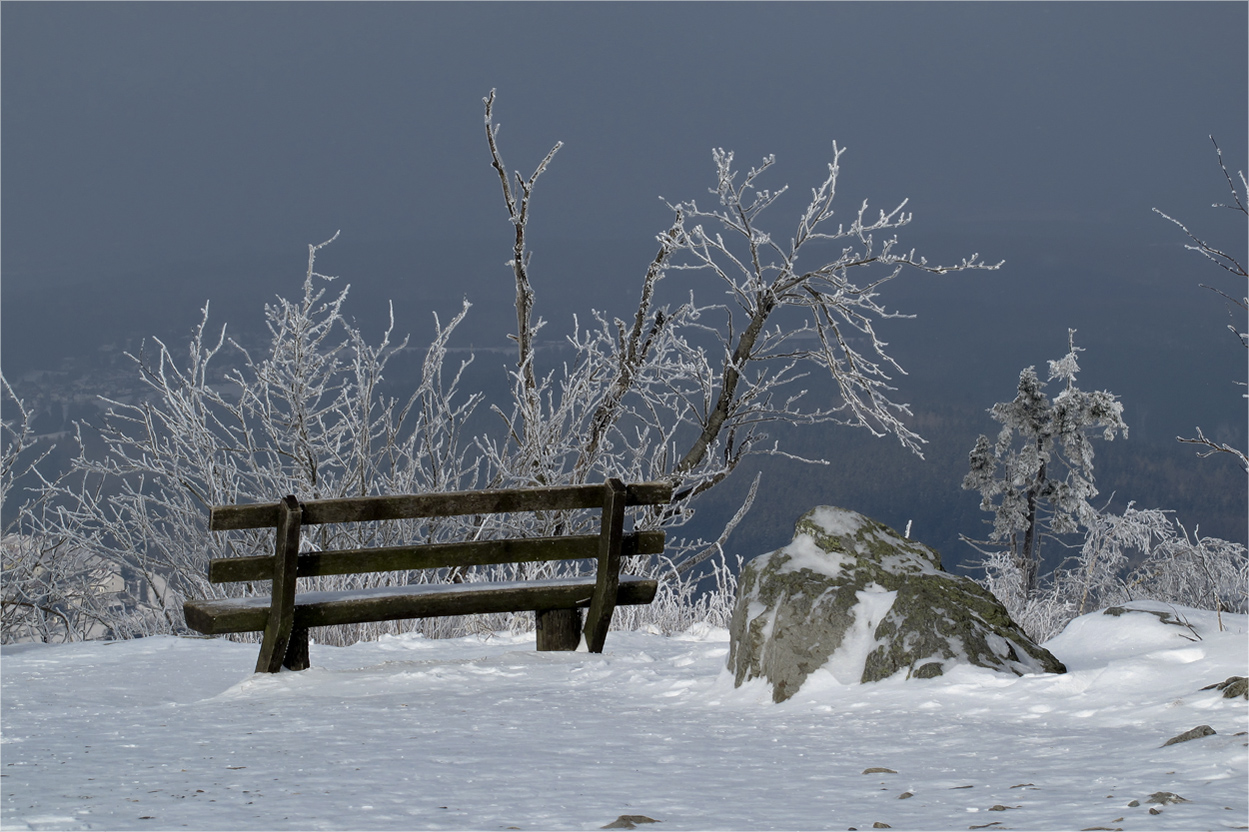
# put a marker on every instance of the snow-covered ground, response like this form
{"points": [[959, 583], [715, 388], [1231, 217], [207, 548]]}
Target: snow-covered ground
{"points": [[411, 733]]}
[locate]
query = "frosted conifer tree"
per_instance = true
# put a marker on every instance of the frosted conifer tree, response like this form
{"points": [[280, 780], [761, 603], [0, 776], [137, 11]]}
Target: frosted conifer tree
{"points": [[1037, 477]]}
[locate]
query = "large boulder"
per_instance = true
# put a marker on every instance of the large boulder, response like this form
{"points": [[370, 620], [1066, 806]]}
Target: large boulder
{"points": [[853, 596]]}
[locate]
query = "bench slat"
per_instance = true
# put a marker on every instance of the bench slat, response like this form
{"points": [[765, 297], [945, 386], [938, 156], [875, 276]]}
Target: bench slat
{"points": [[432, 556], [318, 609], [400, 507]]}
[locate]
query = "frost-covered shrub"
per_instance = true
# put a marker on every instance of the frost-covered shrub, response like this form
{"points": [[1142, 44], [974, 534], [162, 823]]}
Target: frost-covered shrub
{"points": [[1140, 554], [305, 417]]}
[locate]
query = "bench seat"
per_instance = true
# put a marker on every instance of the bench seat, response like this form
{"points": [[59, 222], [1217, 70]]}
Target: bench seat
{"points": [[389, 603]]}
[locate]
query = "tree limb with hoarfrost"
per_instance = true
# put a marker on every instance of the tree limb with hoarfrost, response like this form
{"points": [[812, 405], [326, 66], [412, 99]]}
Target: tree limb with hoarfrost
{"points": [[1233, 265], [682, 390]]}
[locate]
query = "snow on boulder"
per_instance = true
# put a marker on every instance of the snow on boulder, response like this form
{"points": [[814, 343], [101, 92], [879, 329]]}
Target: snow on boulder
{"points": [[853, 597]]}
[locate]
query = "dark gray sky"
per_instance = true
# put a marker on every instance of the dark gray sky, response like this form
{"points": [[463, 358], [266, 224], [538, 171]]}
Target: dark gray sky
{"points": [[147, 134], [153, 155]]}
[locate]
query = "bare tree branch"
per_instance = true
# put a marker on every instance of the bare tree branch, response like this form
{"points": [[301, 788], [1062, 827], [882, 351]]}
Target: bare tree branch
{"points": [[1230, 264]]}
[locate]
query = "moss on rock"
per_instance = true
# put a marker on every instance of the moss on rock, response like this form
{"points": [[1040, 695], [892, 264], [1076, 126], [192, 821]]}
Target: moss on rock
{"points": [[853, 596]]}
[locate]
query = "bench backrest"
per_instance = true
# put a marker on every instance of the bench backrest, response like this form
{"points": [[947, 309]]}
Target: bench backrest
{"points": [[288, 516], [433, 555]]}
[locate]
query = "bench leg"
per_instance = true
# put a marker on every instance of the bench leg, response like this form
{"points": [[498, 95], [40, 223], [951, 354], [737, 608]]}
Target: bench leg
{"points": [[607, 579], [282, 603], [297, 650], [559, 629]]}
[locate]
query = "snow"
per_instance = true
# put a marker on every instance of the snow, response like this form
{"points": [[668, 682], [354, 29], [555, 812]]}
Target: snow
{"points": [[485, 733], [804, 553], [838, 522], [848, 660]]}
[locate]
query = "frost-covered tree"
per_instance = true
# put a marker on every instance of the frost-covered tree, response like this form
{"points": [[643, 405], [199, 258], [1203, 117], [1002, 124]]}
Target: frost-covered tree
{"points": [[1229, 263], [1142, 553], [1037, 477], [683, 391]]}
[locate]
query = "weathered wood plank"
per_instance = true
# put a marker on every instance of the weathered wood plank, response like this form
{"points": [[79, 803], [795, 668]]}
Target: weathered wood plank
{"points": [[206, 616], [649, 494], [316, 609], [282, 601], [398, 507], [297, 650], [598, 619], [558, 629], [433, 556]]}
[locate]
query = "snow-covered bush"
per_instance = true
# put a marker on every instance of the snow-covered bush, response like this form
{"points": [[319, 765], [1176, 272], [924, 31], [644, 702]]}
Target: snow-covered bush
{"points": [[305, 418], [51, 588], [1142, 554]]}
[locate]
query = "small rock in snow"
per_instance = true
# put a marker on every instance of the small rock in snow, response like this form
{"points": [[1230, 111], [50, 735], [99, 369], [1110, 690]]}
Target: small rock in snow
{"points": [[1232, 687], [905, 795], [1162, 615], [878, 770], [628, 822], [1193, 734], [1166, 797]]}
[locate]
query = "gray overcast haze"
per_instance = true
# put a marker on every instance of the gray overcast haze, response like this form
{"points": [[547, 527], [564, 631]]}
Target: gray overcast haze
{"points": [[149, 133], [155, 155]]}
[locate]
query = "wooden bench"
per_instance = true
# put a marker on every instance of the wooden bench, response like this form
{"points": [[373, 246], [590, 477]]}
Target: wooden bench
{"points": [[285, 616]]}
